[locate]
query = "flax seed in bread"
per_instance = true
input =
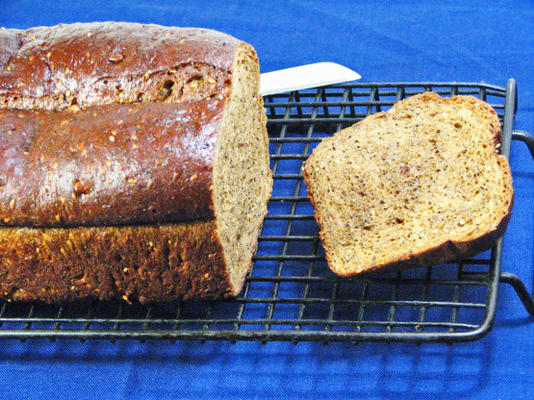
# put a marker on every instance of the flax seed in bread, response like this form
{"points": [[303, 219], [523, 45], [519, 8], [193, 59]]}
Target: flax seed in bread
{"points": [[420, 184]]}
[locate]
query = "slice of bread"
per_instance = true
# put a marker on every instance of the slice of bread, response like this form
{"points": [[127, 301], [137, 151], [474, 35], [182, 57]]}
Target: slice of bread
{"points": [[420, 184]]}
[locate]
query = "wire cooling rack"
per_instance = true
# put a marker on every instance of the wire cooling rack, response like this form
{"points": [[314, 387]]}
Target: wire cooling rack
{"points": [[290, 294]]}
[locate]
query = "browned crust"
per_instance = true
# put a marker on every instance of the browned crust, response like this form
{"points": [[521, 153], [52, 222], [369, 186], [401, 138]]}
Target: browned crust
{"points": [[43, 65], [112, 164], [453, 249], [144, 263], [62, 169]]}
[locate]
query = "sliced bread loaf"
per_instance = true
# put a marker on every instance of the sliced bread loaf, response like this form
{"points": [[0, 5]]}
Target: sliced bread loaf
{"points": [[420, 184], [134, 162]]}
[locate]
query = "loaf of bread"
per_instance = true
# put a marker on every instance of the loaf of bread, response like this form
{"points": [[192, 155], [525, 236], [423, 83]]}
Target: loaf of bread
{"points": [[133, 162], [420, 184]]}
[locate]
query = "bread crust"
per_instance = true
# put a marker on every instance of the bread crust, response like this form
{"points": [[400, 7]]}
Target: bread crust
{"points": [[46, 67], [151, 263], [455, 248], [67, 168], [109, 165]]}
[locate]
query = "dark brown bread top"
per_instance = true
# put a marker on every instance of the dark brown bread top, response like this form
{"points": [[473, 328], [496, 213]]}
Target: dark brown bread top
{"points": [[99, 122], [108, 165], [94, 63]]}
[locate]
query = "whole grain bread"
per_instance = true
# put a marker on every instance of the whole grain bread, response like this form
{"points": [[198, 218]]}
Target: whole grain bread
{"points": [[420, 184], [133, 162]]}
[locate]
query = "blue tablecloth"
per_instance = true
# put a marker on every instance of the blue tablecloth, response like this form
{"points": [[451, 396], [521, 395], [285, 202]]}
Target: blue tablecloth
{"points": [[476, 41]]}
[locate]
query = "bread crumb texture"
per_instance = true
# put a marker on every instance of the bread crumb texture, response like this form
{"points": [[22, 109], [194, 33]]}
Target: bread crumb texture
{"points": [[420, 184]]}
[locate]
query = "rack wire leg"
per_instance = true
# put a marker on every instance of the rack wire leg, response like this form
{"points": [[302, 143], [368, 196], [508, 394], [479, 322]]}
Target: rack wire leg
{"points": [[526, 138], [520, 289], [506, 277]]}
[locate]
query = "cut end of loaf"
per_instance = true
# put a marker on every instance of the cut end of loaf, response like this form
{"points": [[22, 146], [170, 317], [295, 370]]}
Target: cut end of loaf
{"points": [[418, 185], [242, 179]]}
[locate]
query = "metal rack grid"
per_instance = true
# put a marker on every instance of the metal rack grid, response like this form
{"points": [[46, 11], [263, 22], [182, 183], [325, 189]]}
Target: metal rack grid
{"points": [[290, 294]]}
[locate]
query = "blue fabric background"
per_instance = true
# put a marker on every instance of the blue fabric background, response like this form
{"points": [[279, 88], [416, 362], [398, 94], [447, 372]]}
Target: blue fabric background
{"points": [[487, 41]]}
